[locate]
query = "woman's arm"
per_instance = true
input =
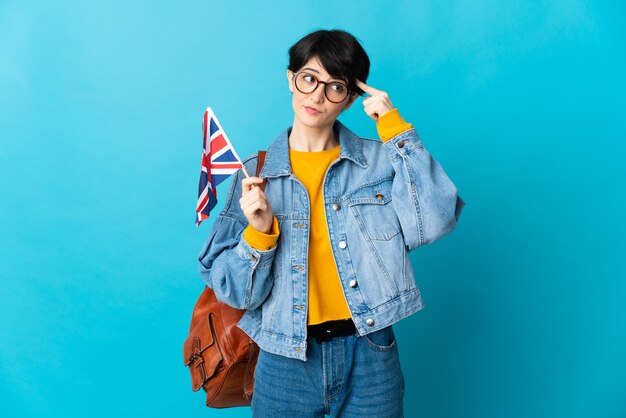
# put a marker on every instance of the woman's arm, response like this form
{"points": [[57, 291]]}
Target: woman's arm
{"points": [[424, 198], [238, 273]]}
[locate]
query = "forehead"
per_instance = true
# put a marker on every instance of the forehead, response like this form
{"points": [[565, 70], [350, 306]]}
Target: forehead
{"points": [[315, 66]]}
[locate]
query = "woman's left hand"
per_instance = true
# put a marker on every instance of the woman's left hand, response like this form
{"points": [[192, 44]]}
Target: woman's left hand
{"points": [[377, 104]]}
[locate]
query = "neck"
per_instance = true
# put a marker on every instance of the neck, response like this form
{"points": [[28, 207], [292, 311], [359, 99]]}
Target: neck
{"points": [[305, 138]]}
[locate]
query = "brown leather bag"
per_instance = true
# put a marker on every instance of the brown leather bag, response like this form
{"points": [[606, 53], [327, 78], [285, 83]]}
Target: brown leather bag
{"points": [[220, 356]]}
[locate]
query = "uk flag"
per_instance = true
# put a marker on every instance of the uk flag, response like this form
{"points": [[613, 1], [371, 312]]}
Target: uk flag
{"points": [[219, 161]]}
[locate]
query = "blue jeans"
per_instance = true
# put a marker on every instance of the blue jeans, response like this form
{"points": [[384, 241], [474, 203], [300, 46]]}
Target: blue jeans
{"points": [[346, 377]]}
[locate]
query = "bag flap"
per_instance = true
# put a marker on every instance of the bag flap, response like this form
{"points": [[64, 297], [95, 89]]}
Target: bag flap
{"points": [[201, 353]]}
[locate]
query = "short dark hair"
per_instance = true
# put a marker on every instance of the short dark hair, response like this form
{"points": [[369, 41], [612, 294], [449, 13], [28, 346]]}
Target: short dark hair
{"points": [[339, 52]]}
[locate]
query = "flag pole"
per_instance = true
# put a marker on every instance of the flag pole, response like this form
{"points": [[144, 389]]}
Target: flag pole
{"points": [[246, 173]]}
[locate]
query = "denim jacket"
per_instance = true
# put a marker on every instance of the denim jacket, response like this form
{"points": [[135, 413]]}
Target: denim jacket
{"points": [[382, 200]]}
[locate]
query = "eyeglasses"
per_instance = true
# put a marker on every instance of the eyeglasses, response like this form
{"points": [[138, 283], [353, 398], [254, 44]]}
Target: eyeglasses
{"points": [[335, 91]]}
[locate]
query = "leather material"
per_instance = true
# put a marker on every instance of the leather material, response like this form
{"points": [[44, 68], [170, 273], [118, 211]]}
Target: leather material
{"points": [[220, 356], [328, 330], [259, 166]]}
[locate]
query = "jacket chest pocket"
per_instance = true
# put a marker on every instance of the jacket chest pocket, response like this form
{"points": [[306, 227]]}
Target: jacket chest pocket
{"points": [[373, 211]]}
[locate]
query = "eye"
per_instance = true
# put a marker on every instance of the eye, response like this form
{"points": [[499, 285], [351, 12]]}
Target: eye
{"points": [[338, 87], [308, 78]]}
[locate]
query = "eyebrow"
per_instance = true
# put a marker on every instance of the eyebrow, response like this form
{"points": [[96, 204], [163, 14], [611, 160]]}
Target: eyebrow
{"points": [[331, 77]]}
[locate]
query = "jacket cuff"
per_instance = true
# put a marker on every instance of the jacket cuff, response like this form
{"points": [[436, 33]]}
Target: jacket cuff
{"points": [[391, 124], [259, 240]]}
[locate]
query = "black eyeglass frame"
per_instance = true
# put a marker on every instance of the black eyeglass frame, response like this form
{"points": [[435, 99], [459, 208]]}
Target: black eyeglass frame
{"points": [[325, 83]]}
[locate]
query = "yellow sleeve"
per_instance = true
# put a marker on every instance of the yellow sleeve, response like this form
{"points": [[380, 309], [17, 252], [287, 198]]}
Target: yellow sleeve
{"points": [[391, 124], [260, 240]]}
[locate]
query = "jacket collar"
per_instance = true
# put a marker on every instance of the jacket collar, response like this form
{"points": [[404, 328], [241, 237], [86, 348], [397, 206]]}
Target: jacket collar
{"points": [[277, 161]]}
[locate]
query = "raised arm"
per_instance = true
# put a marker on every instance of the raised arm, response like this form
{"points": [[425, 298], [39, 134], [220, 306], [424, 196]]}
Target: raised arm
{"points": [[424, 198]]}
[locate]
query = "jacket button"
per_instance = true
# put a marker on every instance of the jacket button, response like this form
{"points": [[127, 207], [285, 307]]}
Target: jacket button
{"points": [[353, 283], [342, 244], [401, 144], [379, 196], [336, 206], [370, 322]]}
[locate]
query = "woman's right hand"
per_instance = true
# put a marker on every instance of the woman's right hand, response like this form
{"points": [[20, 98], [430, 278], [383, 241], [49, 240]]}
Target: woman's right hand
{"points": [[255, 205]]}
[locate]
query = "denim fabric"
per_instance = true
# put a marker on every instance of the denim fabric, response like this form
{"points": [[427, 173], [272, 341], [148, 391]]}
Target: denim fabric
{"points": [[382, 200], [347, 377]]}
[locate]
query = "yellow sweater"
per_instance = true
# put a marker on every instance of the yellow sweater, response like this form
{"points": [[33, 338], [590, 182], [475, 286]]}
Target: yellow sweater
{"points": [[325, 295]]}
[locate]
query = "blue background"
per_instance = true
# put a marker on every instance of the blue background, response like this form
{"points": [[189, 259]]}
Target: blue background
{"points": [[523, 103]]}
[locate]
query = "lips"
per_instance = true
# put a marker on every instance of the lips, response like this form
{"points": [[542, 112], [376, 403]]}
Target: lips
{"points": [[312, 110]]}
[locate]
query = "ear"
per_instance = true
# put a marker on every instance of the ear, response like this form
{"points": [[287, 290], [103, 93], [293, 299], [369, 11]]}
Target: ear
{"points": [[289, 76]]}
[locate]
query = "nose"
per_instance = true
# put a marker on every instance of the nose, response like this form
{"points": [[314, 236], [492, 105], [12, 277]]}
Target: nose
{"points": [[318, 93]]}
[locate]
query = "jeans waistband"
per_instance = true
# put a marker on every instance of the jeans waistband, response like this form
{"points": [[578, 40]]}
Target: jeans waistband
{"points": [[328, 330]]}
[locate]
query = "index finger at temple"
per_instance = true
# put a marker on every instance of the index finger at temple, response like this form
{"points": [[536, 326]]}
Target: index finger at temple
{"points": [[366, 88]]}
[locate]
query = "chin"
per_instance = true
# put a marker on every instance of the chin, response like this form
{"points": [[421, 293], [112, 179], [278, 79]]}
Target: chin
{"points": [[314, 121]]}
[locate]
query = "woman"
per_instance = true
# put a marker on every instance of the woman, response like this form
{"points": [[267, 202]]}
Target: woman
{"points": [[319, 259]]}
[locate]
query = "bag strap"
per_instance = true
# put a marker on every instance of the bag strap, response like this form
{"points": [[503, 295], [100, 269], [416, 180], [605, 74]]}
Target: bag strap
{"points": [[259, 166]]}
